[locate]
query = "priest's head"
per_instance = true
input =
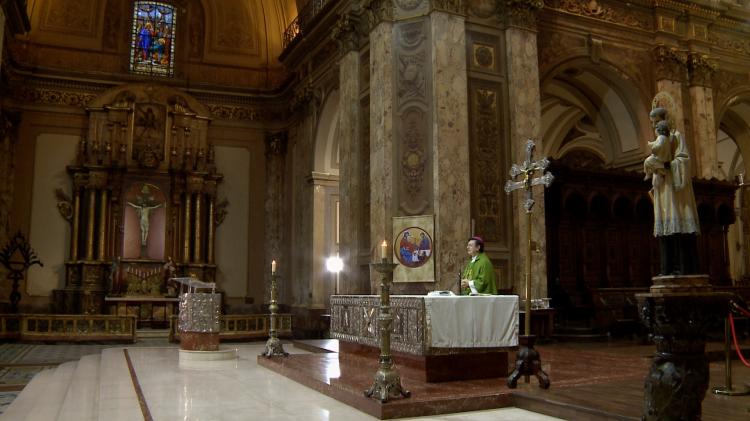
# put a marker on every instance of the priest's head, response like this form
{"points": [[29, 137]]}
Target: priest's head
{"points": [[475, 246]]}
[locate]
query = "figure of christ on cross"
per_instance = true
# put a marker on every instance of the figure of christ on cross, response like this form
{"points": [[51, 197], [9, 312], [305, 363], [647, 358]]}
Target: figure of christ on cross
{"points": [[144, 214]]}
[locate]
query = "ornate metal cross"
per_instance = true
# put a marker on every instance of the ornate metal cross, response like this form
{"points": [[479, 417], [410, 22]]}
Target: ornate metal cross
{"points": [[528, 361], [528, 168]]}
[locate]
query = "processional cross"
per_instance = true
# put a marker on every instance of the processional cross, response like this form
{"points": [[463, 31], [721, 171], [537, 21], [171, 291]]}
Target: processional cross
{"points": [[528, 361]]}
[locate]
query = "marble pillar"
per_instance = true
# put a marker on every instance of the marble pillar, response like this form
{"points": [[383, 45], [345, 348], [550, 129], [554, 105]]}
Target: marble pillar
{"points": [[702, 115], [419, 152], [275, 150], [351, 185], [525, 122], [450, 146], [382, 67]]}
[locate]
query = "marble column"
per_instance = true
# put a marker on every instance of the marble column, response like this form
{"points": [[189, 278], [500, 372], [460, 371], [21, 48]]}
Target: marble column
{"points": [[419, 152], [276, 146], [702, 115], [382, 68], [346, 32], [525, 122], [450, 145]]}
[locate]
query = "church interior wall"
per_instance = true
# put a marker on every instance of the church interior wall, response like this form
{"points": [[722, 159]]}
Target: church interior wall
{"points": [[49, 232]]}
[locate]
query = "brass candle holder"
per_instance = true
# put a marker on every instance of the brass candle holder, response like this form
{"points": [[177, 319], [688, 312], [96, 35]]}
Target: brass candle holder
{"points": [[274, 348], [387, 383]]}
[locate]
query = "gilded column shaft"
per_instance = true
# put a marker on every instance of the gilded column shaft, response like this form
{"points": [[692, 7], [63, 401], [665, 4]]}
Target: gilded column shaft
{"points": [[197, 249], [76, 225], [211, 228], [186, 229], [101, 251], [90, 226]]}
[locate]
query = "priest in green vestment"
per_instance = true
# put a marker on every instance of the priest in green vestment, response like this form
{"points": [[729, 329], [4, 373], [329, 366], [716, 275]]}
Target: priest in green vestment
{"points": [[478, 276]]}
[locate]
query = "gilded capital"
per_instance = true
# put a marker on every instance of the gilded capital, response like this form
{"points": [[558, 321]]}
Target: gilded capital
{"points": [[80, 180], [522, 13], [97, 179], [671, 63], [194, 184], [701, 70], [346, 32]]}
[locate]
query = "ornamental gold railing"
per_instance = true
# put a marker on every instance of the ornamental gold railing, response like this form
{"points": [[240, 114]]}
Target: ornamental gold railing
{"points": [[304, 20], [237, 327], [67, 327]]}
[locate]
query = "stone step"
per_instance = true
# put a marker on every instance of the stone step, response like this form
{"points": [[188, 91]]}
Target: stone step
{"points": [[152, 333], [50, 400], [117, 397], [82, 399], [28, 398]]}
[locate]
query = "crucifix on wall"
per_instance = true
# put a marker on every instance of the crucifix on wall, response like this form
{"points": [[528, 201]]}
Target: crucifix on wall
{"points": [[145, 199]]}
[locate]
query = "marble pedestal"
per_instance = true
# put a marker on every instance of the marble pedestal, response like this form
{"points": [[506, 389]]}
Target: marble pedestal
{"points": [[679, 311]]}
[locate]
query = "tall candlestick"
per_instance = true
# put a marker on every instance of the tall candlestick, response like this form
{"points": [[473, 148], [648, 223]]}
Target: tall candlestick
{"points": [[273, 267], [384, 250]]}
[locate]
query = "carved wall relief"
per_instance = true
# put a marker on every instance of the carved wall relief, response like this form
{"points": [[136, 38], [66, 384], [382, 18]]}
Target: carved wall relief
{"points": [[412, 123], [149, 136], [488, 158]]}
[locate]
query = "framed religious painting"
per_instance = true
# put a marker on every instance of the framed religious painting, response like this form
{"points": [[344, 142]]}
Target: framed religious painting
{"points": [[414, 248]]}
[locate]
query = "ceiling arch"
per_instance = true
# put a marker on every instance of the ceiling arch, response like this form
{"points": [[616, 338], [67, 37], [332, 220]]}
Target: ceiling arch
{"points": [[592, 107]]}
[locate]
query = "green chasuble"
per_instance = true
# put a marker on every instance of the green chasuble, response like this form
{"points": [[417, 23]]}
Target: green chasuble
{"points": [[481, 272]]}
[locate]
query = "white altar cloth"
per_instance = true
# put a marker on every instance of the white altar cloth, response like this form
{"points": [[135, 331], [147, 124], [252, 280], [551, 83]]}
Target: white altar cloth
{"points": [[472, 322]]}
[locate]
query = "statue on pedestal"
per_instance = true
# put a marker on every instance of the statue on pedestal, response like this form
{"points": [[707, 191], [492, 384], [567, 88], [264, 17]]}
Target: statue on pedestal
{"points": [[675, 215]]}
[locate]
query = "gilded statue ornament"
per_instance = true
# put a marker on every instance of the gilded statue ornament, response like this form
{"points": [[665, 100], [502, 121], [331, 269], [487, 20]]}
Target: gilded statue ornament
{"points": [[64, 204], [221, 211]]}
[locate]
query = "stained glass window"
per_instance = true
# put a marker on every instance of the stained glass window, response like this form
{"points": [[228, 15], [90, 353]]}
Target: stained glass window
{"points": [[152, 41]]}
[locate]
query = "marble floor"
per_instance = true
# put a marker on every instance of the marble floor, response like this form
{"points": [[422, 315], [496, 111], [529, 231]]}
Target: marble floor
{"points": [[154, 386]]}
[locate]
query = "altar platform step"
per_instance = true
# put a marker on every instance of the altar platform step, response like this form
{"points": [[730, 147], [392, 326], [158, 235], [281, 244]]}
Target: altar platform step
{"points": [[593, 382]]}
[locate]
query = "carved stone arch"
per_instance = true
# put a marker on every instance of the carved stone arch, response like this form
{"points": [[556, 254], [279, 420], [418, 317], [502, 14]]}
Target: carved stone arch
{"points": [[326, 138], [607, 96]]}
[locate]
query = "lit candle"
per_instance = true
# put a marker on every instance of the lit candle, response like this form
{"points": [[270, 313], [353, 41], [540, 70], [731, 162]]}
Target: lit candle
{"points": [[273, 267], [384, 250]]}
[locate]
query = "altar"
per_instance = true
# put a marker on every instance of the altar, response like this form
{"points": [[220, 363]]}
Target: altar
{"points": [[449, 338]]}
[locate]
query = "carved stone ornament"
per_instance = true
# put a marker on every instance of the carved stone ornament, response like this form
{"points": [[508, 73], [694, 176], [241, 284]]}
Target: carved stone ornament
{"points": [[701, 70], [453, 6], [486, 153], [346, 33], [378, 11], [671, 63], [482, 8], [597, 10], [276, 144], [521, 13], [408, 4]]}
